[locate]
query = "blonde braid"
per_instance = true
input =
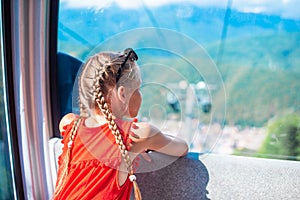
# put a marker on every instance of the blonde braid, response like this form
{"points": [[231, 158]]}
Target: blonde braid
{"points": [[100, 100], [67, 158], [70, 144]]}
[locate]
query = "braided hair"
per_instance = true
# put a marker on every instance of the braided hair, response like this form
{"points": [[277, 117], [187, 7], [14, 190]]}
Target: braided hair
{"points": [[101, 73]]}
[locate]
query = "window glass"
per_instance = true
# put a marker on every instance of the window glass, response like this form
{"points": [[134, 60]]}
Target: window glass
{"points": [[6, 183], [222, 74]]}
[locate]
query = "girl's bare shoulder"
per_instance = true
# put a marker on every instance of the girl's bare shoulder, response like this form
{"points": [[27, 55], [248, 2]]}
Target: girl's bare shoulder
{"points": [[67, 119]]}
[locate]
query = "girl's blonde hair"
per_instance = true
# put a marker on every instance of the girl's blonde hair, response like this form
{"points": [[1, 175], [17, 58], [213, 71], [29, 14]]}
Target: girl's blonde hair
{"points": [[99, 75]]}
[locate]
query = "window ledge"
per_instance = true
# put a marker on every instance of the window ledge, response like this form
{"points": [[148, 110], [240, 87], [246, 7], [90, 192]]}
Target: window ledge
{"points": [[215, 176], [210, 176]]}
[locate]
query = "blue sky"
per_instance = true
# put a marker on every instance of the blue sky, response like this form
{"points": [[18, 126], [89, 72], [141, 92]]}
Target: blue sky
{"points": [[288, 9]]}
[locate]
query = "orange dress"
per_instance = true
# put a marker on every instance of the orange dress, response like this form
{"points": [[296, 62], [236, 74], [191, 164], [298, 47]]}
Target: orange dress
{"points": [[95, 160]]}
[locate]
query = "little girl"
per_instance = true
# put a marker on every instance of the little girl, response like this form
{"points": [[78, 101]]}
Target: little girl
{"points": [[100, 144]]}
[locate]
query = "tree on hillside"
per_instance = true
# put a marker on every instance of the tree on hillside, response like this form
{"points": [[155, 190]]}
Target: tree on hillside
{"points": [[283, 139]]}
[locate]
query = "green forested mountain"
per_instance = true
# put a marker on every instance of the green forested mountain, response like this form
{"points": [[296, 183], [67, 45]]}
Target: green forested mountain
{"points": [[261, 77], [258, 60]]}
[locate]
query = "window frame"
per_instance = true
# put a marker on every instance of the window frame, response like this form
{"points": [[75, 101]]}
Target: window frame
{"points": [[7, 61]]}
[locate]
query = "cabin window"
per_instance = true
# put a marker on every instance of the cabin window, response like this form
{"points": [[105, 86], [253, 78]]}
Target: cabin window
{"points": [[223, 74]]}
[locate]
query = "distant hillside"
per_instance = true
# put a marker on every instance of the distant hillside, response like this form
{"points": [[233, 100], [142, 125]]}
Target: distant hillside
{"points": [[259, 62], [261, 77]]}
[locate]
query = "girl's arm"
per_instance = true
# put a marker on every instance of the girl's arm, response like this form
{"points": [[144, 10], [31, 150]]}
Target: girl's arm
{"points": [[151, 138]]}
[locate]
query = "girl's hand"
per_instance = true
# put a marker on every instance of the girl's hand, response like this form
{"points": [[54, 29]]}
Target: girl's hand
{"points": [[132, 137]]}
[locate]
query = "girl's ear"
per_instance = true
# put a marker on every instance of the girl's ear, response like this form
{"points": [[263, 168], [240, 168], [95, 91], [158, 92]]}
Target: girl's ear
{"points": [[121, 94]]}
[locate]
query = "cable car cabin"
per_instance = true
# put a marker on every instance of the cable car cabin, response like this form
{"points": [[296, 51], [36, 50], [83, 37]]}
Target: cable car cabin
{"points": [[223, 64]]}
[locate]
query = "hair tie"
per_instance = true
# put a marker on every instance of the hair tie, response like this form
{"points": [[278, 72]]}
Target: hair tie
{"points": [[132, 177]]}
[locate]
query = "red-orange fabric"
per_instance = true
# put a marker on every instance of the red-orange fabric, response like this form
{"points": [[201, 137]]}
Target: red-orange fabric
{"points": [[95, 160]]}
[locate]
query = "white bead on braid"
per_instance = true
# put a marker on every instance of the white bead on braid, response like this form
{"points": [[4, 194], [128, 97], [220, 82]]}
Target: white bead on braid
{"points": [[132, 177]]}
